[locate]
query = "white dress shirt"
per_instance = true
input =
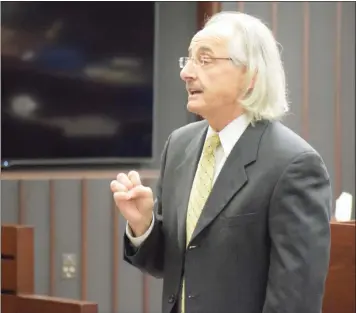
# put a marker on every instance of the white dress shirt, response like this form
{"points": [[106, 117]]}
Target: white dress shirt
{"points": [[228, 138]]}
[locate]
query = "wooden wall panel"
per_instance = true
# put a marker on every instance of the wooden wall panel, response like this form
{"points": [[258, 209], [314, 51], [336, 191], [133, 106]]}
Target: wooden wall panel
{"points": [[340, 286], [39, 303], [94, 192], [116, 245], [347, 98], [17, 259], [306, 43], [205, 10], [84, 238], [21, 201], [337, 103], [9, 277], [274, 18], [52, 238], [8, 304]]}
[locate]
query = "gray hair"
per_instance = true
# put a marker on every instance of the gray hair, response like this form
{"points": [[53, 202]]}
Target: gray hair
{"points": [[253, 45]]}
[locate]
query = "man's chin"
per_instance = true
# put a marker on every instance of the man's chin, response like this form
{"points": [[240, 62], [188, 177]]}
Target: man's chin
{"points": [[195, 107]]}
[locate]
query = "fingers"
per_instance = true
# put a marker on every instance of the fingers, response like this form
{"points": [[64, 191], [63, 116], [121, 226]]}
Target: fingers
{"points": [[124, 180], [121, 196], [130, 182], [116, 186], [140, 192], [134, 178]]}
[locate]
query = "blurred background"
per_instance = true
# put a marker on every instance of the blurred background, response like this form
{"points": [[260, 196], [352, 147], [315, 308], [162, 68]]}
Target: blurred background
{"points": [[89, 89]]}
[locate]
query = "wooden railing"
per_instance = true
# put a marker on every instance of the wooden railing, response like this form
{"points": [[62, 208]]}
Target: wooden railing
{"points": [[340, 284], [17, 277], [26, 182]]}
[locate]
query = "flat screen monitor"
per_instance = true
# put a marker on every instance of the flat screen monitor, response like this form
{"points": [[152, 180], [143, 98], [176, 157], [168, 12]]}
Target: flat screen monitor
{"points": [[76, 82]]}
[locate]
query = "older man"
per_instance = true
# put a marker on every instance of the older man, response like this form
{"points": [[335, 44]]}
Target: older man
{"points": [[240, 223]]}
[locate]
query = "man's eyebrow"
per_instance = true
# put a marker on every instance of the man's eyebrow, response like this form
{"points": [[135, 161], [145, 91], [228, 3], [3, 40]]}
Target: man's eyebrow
{"points": [[205, 49], [201, 49]]}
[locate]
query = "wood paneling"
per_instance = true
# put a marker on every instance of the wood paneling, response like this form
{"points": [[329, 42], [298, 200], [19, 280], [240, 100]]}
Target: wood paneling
{"points": [[337, 105], [340, 284], [274, 17], [17, 277], [306, 43], [21, 176], [52, 240], [206, 10], [9, 277], [115, 258], [145, 294], [12, 237], [145, 279], [17, 259], [21, 201], [8, 304], [84, 240], [39, 304], [82, 178]]}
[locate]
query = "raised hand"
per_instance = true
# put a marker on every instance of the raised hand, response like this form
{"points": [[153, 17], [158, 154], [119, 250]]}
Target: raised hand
{"points": [[134, 201]]}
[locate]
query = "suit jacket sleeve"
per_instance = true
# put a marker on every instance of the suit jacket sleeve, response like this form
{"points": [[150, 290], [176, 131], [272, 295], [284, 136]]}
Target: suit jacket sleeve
{"points": [[299, 227], [149, 256]]}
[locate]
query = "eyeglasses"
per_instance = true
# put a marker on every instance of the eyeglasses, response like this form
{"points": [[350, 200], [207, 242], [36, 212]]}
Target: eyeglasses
{"points": [[200, 61]]}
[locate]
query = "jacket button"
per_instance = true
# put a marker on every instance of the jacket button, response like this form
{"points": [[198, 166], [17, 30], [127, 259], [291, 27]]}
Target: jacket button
{"points": [[171, 299]]}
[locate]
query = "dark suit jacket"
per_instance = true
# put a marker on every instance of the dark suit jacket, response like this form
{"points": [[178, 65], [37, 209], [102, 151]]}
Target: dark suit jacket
{"points": [[262, 242]]}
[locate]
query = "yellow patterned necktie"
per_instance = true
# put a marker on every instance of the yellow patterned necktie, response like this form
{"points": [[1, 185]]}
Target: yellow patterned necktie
{"points": [[202, 185]]}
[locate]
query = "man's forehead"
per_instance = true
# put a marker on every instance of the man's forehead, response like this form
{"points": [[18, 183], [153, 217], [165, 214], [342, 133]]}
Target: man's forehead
{"points": [[201, 47], [208, 42]]}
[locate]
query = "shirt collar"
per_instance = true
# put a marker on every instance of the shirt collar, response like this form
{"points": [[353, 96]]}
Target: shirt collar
{"points": [[231, 133]]}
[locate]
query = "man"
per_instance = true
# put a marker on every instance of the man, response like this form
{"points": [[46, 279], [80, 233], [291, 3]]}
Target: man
{"points": [[241, 215]]}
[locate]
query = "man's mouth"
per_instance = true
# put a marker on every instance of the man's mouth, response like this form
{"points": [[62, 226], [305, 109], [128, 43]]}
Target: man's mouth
{"points": [[193, 92]]}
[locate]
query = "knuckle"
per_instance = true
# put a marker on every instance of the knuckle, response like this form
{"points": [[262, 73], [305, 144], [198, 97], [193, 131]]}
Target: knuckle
{"points": [[120, 175], [121, 187]]}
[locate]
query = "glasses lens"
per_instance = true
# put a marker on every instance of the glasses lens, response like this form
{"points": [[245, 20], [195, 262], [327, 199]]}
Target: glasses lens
{"points": [[181, 62]]}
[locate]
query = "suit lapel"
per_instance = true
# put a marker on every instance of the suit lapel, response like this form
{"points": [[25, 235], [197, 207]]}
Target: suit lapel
{"points": [[184, 175], [232, 177]]}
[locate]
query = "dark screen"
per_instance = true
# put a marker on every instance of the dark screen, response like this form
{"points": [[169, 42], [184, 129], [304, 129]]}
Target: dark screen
{"points": [[77, 80]]}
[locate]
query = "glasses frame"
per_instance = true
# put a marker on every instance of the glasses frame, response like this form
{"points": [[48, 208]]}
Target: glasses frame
{"points": [[184, 60]]}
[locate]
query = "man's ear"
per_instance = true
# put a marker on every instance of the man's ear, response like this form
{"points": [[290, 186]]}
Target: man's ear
{"points": [[252, 82]]}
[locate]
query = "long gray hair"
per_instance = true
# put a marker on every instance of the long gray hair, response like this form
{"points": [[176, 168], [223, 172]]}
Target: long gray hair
{"points": [[253, 45]]}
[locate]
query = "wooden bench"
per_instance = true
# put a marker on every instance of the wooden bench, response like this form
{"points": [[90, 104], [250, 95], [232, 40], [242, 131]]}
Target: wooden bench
{"points": [[17, 277], [340, 284]]}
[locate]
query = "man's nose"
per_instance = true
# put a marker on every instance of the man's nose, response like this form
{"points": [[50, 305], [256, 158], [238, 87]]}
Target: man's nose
{"points": [[188, 72]]}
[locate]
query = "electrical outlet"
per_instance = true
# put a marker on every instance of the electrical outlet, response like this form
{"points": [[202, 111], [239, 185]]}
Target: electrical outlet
{"points": [[69, 265]]}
